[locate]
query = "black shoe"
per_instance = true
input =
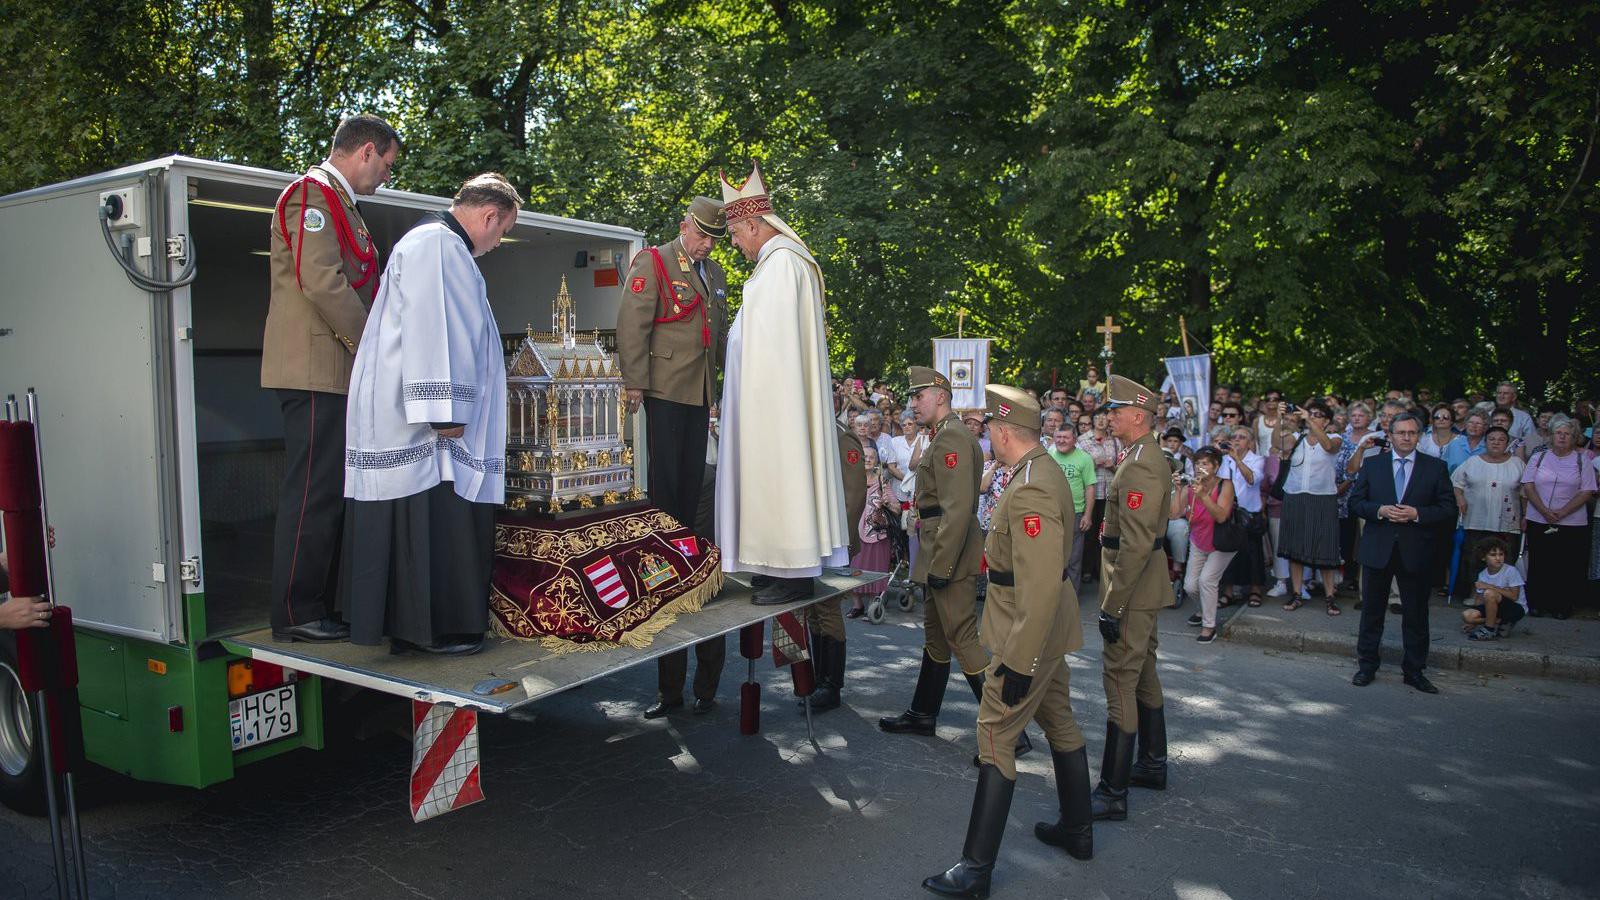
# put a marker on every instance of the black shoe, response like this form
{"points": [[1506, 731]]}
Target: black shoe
{"points": [[1362, 678], [1421, 683], [1074, 832], [453, 645], [702, 705], [827, 660], [1397, 609], [1110, 797], [783, 590], [322, 631], [761, 581], [1561, 616], [1150, 770], [661, 708], [970, 876], [1195, 621], [926, 701]]}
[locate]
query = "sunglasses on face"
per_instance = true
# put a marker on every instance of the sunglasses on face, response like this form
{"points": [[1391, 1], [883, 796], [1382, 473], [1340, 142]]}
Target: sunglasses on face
{"points": [[1229, 415], [1442, 418]]}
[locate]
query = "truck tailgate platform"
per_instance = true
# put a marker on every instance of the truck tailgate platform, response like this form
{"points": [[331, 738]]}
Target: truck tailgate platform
{"points": [[535, 671]]}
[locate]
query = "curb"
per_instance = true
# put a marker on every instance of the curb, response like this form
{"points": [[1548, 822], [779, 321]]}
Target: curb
{"points": [[1477, 660]]}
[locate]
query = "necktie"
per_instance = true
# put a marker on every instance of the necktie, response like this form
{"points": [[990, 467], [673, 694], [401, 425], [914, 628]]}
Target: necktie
{"points": [[1400, 479], [700, 269]]}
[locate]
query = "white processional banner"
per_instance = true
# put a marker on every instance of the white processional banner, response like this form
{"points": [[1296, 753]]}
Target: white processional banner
{"points": [[965, 361], [1191, 381]]}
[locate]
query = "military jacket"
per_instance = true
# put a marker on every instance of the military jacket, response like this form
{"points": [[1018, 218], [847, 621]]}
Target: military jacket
{"points": [[669, 344], [854, 469], [1035, 618], [946, 500], [315, 314], [1134, 562]]}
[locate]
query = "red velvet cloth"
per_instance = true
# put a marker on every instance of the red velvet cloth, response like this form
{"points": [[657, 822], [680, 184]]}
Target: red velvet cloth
{"points": [[25, 552], [19, 467], [601, 577]]}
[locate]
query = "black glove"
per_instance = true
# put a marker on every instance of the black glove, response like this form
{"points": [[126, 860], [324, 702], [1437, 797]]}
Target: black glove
{"points": [[1110, 627], [1015, 687], [935, 581]]}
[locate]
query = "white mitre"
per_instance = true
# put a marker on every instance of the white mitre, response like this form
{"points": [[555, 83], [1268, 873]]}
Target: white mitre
{"points": [[750, 198]]}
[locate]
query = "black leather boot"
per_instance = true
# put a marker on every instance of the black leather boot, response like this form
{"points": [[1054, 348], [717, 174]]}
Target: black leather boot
{"points": [[1075, 831], [925, 701], [826, 696], [783, 590], [1110, 798], [1150, 770], [970, 876]]}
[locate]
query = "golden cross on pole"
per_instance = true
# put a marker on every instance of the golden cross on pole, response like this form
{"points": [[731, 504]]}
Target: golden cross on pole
{"points": [[1108, 330]]}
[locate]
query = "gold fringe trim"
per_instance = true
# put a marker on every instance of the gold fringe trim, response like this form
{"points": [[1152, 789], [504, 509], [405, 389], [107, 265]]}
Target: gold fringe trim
{"points": [[644, 634]]}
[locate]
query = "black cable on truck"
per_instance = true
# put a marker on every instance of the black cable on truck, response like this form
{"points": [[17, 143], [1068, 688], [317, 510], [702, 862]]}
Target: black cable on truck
{"points": [[140, 279]]}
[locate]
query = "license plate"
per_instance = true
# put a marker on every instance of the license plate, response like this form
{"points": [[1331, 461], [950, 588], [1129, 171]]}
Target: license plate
{"points": [[267, 716]]}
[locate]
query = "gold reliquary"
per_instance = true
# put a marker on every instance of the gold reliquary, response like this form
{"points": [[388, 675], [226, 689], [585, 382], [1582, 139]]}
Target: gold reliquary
{"points": [[564, 418]]}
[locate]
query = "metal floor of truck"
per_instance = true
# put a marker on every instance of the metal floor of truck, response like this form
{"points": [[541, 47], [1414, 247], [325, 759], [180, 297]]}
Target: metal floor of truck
{"points": [[532, 671]]}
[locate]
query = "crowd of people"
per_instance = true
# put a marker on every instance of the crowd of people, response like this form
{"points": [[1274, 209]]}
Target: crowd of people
{"points": [[1279, 470]]}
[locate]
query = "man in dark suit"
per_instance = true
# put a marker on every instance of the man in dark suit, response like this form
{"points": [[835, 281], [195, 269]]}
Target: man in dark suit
{"points": [[1405, 498]]}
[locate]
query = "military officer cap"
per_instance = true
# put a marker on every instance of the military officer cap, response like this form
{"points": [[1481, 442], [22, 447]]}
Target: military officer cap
{"points": [[924, 377], [1127, 392], [1012, 406], [708, 217]]}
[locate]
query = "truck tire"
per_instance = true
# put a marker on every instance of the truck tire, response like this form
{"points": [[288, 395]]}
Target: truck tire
{"points": [[21, 769]]}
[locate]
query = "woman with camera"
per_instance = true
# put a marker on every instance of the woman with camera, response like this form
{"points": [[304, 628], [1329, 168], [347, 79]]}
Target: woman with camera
{"points": [[1309, 533], [1209, 501]]}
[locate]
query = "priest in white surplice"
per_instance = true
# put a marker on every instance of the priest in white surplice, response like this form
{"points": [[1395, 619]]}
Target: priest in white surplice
{"points": [[780, 492], [425, 435]]}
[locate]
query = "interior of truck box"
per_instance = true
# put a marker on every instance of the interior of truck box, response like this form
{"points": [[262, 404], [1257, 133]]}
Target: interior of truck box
{"points": [[238, 423]]}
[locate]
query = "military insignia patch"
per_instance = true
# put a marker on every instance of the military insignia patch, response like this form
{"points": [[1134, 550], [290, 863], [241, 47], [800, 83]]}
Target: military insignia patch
{"points": [[1031, 525], [637, 285], [852, 456], [1003, 409], [950, 460], [1135, 499], [313, 220]]}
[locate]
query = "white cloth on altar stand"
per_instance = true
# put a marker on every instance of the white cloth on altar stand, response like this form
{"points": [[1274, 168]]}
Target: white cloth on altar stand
{"points": [[780, 492], [431, 353]]}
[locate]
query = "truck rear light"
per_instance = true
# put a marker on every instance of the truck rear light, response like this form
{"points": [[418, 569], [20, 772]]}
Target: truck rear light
{"points": [[267, 675], [174, 719], [241, 679]]}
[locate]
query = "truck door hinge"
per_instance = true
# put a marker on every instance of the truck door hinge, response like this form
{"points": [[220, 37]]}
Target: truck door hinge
{"points": [[189, 569], [178, 247]]}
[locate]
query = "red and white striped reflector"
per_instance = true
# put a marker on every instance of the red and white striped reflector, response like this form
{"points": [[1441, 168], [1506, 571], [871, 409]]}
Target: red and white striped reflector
{"points": [[444, 759]]}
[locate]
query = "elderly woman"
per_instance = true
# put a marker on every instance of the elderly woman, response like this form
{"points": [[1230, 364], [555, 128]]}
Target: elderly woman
{"points": [[1489, 497], [873, 527], [1309, 535], [1442, 441], [1475, 425], [1358, 444], [1557, 483], [1103, 448]]}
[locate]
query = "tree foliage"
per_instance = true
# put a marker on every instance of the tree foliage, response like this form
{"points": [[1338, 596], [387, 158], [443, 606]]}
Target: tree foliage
{"points": [[1346, 194]]}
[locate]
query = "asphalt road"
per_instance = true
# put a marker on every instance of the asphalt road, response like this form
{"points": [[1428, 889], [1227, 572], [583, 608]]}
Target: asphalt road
{"points": [[1286, 782]]}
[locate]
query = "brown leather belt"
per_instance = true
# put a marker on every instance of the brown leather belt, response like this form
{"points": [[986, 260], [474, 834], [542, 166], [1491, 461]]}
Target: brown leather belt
{"points": [[1009, 579], [929, 512], [1114, 542]]}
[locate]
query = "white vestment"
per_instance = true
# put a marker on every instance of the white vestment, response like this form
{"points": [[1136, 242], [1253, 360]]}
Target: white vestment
{"points": [[431, 353], [780, 492]]}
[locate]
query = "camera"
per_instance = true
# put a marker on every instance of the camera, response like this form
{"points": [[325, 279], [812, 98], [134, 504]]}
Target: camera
{"points": [[1290, 407], [1183, 478], [1381, 443], [1224, 445]]}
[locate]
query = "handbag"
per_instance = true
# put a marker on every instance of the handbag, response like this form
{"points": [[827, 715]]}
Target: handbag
{"points": [[1283, 471], [1229, 536]]}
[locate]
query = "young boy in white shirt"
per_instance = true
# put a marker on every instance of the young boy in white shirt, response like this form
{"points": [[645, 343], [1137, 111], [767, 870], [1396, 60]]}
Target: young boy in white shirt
{"points": [[1500, 591]]}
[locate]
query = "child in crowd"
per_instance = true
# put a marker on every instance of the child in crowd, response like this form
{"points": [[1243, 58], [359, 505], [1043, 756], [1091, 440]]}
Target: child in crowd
{"points": [[1502, 597]]}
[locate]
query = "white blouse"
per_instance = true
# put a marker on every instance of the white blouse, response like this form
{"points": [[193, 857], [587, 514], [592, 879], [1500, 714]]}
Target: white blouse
{"points": [[1311, 470], [1493, 492]]}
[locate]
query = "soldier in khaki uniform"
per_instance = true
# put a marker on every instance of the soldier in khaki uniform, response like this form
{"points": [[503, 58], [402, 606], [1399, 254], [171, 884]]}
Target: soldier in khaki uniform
{"points": [[671, 334], [823, 618], [1030, 623], [946, 502], [324, 269], [1135, 589]]}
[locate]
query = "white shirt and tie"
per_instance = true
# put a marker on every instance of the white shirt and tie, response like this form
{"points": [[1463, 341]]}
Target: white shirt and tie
{"points": [[1403, 468]]}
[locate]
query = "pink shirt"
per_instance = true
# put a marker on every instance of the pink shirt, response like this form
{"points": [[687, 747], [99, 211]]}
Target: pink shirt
{"points": [[1556, 480], [1201, 525]]}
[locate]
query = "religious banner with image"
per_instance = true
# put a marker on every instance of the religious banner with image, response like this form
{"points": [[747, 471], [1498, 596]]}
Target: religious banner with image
{"points": [[965, 361], [615, 578], [1191, 381]]}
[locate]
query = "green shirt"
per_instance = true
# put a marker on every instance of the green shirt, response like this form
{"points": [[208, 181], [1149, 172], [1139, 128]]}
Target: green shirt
{"points": [[1079, 469]]}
